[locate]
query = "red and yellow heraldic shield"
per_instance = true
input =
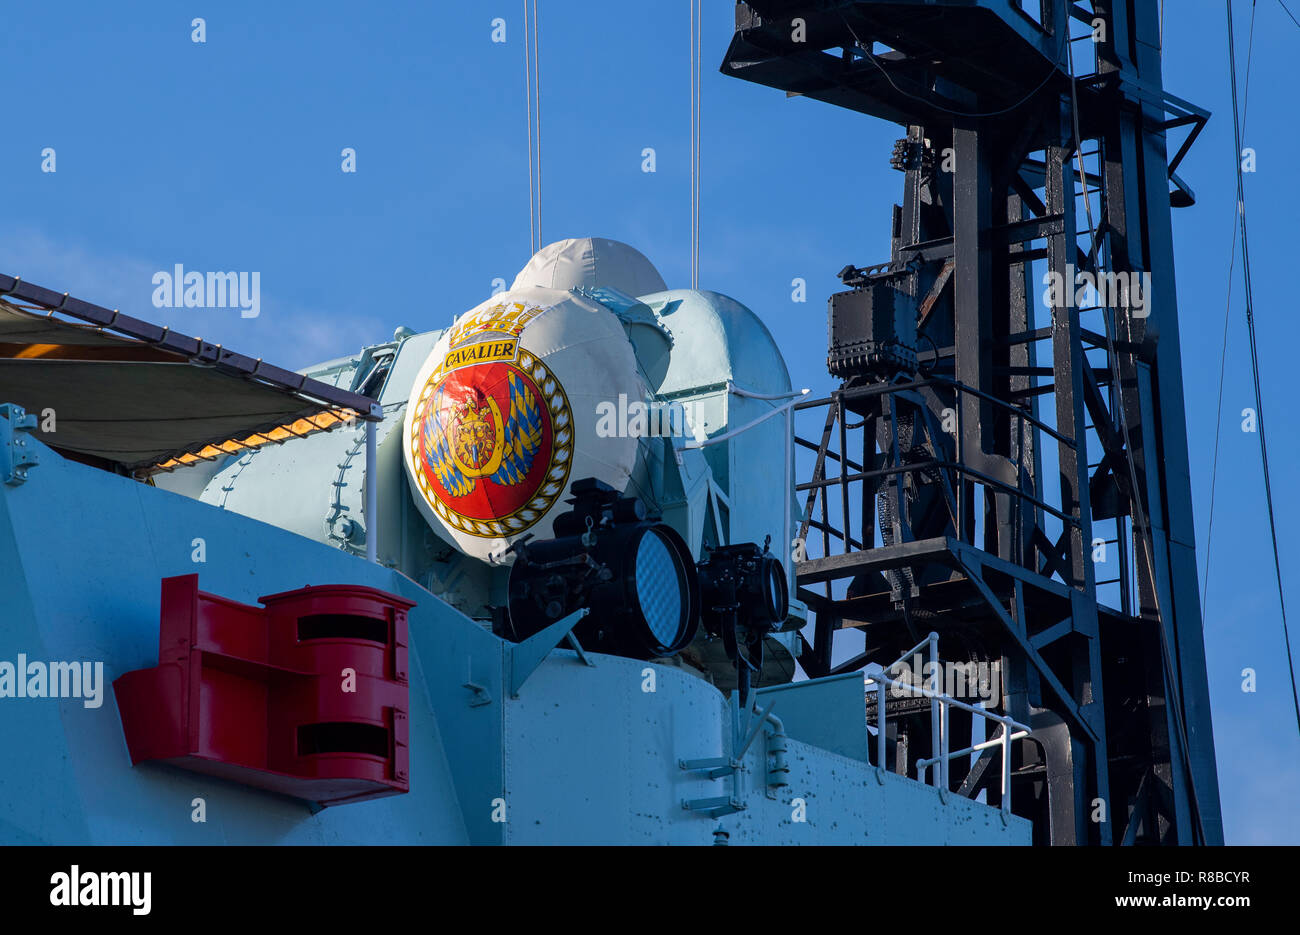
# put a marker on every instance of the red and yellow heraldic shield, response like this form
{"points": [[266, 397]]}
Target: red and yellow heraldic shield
{"points": [[492, 441]]}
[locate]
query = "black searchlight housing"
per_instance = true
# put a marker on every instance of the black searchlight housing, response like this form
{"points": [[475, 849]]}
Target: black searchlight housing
{"points": [[635, 575], [745, 598], [743, 585]]}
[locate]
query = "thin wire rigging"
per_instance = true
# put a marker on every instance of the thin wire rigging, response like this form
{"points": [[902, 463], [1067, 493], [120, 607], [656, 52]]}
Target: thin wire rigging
{"points": [[697, 13], [1254, 359], [532, 82], [1223, 353]]}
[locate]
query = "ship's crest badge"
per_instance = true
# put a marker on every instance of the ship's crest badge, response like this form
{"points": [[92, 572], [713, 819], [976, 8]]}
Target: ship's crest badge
{"points": [[491, 443]]}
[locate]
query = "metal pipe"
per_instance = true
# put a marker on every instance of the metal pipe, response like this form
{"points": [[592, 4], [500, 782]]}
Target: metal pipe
{"points": [[741, 391], [935, 704], [903, 658], [779, 768], [727, 436], [940, 705], [763, 717], [787, 496], [1004, 741], [943, 745], [880, 725], [1006, 767], [975, 748], [372, 496]]}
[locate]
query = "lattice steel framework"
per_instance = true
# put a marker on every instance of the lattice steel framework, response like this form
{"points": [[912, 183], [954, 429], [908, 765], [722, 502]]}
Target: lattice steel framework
{"points": [[930, 501]]}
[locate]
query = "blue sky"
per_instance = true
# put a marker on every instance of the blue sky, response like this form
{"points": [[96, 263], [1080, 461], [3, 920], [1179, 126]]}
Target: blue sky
{"points": [[226, 156]]}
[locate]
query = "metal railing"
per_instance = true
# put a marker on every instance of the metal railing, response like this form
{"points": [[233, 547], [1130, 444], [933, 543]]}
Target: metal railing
{"points": [[940, 705], [1024, 428]]}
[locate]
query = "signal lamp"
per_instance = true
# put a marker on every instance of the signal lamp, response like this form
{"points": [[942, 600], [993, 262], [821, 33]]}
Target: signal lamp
{"points": [[634, 574], [745, 597]]}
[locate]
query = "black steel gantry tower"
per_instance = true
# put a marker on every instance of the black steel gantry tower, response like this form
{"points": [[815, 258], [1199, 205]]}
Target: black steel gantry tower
{"points": [[1035, 147]]}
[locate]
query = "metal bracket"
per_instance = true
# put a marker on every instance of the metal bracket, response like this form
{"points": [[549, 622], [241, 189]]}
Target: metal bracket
{"points": [[577, 648], [715, 807], [18, 456], [745, 736], [716, 766], [525, 657], [481, 695]]}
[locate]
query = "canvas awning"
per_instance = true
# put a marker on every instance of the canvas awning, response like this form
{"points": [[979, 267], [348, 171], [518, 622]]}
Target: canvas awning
{"points": [[145, 397]]}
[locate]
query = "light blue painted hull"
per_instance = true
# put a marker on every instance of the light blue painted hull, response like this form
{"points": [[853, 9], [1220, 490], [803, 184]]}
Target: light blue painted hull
{"points": [[584, 754]]}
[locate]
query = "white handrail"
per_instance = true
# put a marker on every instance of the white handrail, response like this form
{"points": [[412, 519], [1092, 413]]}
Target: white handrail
{"points": [[727, 436], [741, 391], [932, 640], [787, 407], [937, 724], [939, 708]]}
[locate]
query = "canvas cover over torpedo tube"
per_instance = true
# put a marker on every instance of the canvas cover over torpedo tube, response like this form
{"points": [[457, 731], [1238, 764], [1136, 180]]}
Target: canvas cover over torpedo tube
{"points": [[504, 413], [588, 368]]}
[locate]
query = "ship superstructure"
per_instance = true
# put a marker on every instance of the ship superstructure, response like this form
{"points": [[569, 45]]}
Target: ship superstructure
{"points": [[469, 613], [558, 573]]}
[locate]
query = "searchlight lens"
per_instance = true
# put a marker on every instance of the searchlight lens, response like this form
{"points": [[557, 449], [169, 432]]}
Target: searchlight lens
{"points": [[661, 591], [635, 576], [743, 585], [778, 594]]}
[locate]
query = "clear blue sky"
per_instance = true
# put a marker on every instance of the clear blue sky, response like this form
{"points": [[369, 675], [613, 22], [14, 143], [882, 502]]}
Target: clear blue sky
{"points": [[226, 156]]}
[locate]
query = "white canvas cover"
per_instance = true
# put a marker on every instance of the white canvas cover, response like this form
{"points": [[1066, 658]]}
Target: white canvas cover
{"points": [[591, 262], [502, 416]]}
